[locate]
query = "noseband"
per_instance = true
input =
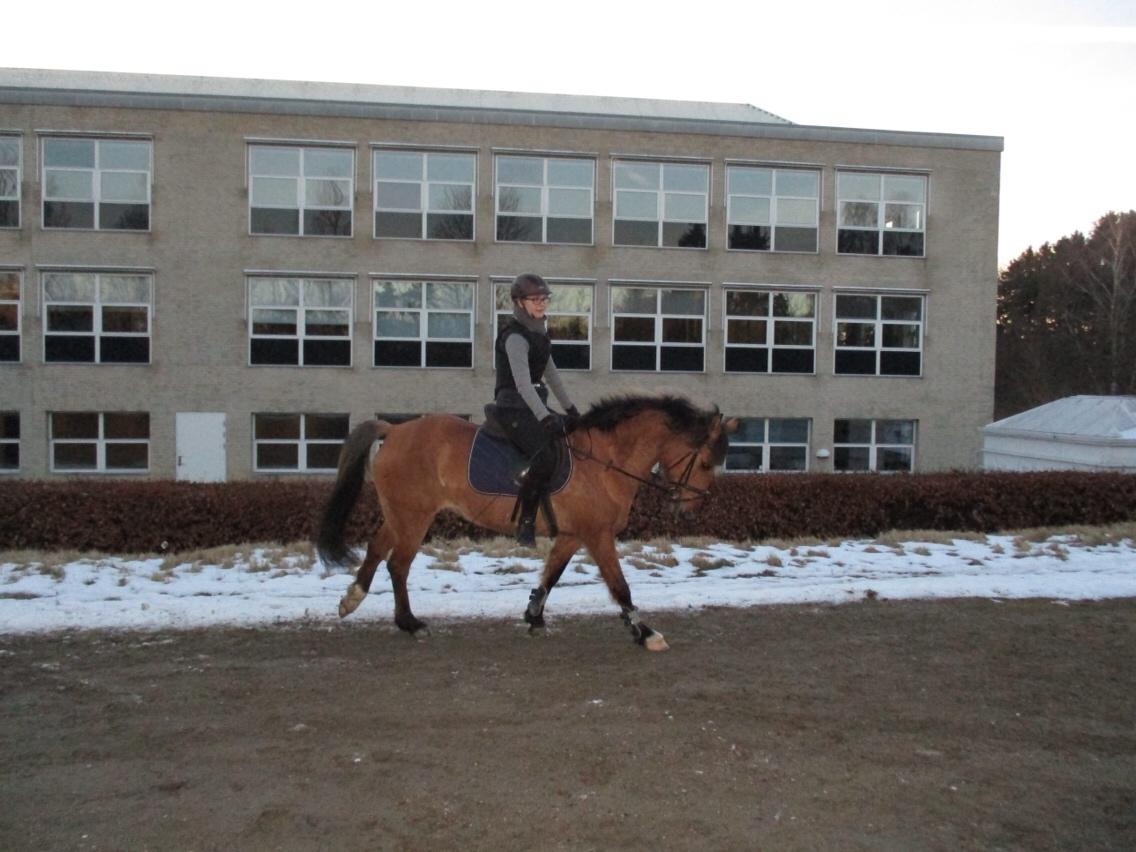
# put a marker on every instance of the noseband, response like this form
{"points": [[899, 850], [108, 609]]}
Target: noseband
{"points": [[673, 488]]}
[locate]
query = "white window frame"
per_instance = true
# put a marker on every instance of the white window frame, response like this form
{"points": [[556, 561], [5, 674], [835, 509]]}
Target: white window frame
{"points": [[302, 442], [501, 298], [18, 275], [660, 192], [424, 208], [101, 442], [301, 310], [879, 324], [774, 199], [423, 313], [96, 172], [97, 332], [547, 190], [874, 446], [660, 317], [18, 169], [771, 321], [881, 201], [301, 178], [8, 442], [766, 445]]}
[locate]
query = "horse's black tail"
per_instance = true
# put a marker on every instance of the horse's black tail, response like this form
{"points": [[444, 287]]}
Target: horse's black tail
{"points": [[353, 460]]}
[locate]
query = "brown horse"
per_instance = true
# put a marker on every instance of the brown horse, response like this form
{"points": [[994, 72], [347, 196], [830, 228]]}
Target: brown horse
{"points": [[421, 469]]}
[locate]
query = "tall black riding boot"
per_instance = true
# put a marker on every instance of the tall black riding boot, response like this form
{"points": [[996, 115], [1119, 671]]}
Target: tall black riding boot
{"points": [[526, 524]]}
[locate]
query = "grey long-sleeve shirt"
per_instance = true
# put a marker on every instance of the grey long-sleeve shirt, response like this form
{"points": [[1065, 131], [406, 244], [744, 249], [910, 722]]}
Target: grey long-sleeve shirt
{"points": [[517, 348]]}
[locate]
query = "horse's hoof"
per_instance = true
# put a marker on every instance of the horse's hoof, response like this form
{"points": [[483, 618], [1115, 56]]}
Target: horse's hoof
{"points": [[350, 601], [535, 622], [656, 642]]}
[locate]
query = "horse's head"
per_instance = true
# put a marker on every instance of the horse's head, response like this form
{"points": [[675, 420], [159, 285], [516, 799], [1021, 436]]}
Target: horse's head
{"points": [[689, 465]]}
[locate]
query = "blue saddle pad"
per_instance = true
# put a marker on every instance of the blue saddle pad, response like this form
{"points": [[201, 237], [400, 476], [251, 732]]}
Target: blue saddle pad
{"points": [[494, 464]]}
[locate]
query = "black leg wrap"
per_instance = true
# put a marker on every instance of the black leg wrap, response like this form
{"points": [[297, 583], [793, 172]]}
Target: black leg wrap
{"points": [[534, 612]]}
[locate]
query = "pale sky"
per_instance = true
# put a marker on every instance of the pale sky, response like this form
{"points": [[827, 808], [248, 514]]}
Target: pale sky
{"points": [[1056, 79]]}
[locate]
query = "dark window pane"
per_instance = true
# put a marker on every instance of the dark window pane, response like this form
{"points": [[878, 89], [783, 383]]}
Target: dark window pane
{"points": [[793, 360], [852, 431], [9, 317], [327, 223], [900, 243], [746, 331], [74, 424], [563, 329], [122, 424], [900, 363], [792, 333], [124, 217], [398, 353], [743, 458], [785, 430], [127, 456], [682, 330], [68, 214], [518, 229], [681, 358], [124, 350], [628, 233], [739, 360], [124, 319], [406, 225], [9, 214], [10, 425], [327, 353], [684, 234], [787, 458], [572, 356], [62, 347], [270, 351], [449, 355], [857, 242], [570, 230], [270, 221], [9, 347], [850, 458], [449, 226], [634, 329], [633, 357], [893, 459], [855, 363], [795, 239], [327, 427], [323, 456], [277, 426], [277, 456], [749, 237], [70, 318], [75, 456], [9, 456], [857, 307]]}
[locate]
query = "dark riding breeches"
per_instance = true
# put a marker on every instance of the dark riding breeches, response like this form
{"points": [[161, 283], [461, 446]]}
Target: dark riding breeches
{"points": [[527, 435]]}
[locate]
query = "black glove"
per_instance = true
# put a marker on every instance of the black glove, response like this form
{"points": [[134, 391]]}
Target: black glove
{"points": [[554, 425], [571, 418]]}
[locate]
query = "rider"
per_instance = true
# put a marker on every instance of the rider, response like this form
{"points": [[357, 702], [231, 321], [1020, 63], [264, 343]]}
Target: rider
{"points": [[525, 374]]}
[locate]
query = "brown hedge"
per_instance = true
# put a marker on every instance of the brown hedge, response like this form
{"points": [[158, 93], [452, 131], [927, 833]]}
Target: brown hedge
{"points": [[151, 517]]}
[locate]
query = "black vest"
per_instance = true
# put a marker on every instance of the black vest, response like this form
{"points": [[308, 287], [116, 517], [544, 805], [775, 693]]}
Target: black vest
{"points": [[540, 350]]}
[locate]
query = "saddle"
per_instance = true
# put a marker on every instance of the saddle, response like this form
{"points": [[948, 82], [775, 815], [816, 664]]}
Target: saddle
{"points": [[495, 464]]}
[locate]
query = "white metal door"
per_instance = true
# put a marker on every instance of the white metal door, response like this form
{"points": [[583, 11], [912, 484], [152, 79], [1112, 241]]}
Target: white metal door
{"points": [[201, 446]]}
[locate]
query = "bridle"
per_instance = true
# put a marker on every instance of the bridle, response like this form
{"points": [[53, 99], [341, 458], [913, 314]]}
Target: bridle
{"points": [[672, 487]]}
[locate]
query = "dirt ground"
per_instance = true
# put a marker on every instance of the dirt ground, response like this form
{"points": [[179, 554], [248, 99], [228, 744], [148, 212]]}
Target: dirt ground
{"points": [[878, 725]]}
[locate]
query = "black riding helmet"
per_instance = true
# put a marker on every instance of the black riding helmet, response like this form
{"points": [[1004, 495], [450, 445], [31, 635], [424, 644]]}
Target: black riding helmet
{"points": [[529, 284]]}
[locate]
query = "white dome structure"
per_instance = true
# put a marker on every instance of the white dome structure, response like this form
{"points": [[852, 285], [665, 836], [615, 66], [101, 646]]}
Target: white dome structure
{"points": [[1074, 433]]}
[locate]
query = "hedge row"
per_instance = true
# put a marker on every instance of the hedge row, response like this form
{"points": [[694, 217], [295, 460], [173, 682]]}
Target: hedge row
{"points": [[153, 517]]}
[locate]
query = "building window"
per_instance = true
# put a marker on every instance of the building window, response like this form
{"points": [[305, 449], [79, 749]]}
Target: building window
{"points": [[96, 318], [661, 204], [569, 323], [762, 444], [544, 199], [299, 443], [100, 184], [300, 321], [880, 445], [769, 209], [9, 316], [301, 191], [423, 324], [879, 335], [658, 328], [10, 173], [770, 332], [94, 442], [9, 441], [424, 195], [880, 213]]}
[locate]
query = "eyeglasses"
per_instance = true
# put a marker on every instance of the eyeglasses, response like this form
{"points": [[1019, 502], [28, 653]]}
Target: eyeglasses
{"points": [[540, 300]]}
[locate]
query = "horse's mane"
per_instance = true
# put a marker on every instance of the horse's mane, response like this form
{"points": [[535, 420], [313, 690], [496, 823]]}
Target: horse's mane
{"points": [[682, 416]]}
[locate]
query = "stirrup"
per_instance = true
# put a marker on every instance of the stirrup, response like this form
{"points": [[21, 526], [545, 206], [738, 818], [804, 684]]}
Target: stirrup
{"points": [[526, 532]]}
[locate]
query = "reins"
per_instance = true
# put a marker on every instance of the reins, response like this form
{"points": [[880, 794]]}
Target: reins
{"points": [[672, 487]]}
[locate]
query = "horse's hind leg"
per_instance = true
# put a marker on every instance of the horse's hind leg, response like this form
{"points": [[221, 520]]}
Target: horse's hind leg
{"points": [[378, 548], [603, 551], [558, 558]]}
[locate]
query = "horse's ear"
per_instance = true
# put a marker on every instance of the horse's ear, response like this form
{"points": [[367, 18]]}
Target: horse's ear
{"points": [[730, 425]]}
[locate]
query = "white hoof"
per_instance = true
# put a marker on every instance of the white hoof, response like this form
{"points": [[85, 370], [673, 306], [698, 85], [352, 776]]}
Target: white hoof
{"points": [[656, 642], [350, 601]]}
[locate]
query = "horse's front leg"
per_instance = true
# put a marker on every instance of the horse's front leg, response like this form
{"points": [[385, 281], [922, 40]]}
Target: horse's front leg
{"points": [[559, 556], [603, 551]]}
